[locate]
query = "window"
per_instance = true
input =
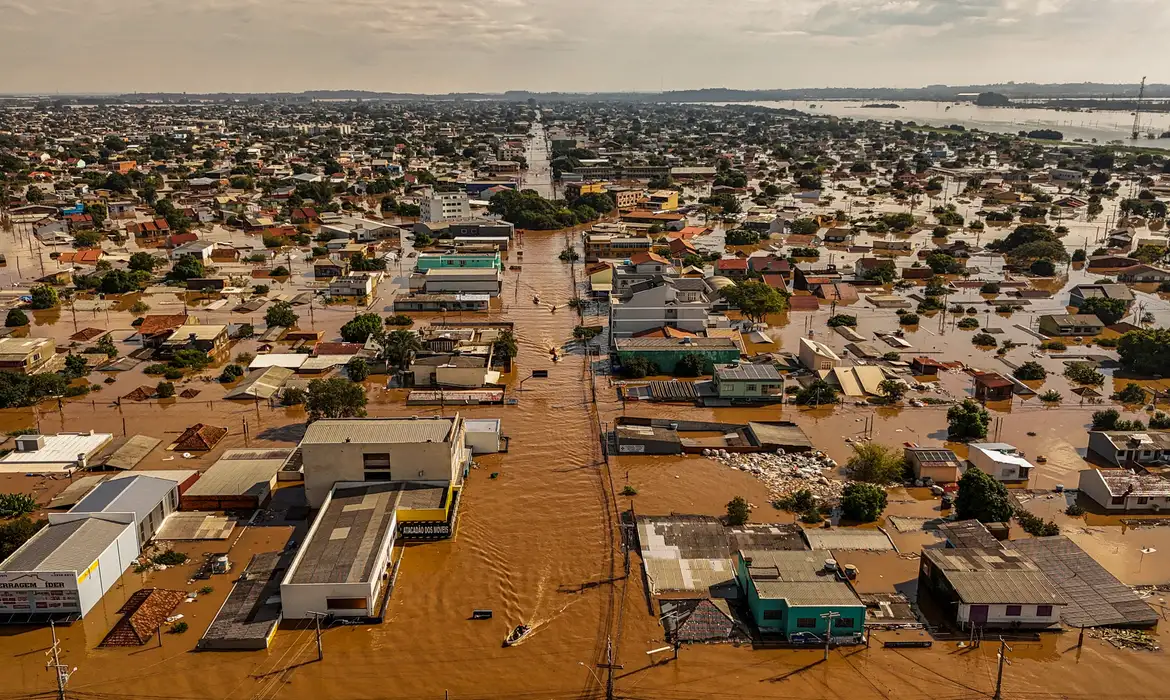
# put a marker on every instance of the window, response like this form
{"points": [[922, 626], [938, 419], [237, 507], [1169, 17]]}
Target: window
{"points": [[378, 476], [375, 461], [1043, 611], [1117, 500], [1007, 472], [750, 387], [346, 603], [806, 623], [845, 623], [1014, 610], [1142, 500], [773, 614]]}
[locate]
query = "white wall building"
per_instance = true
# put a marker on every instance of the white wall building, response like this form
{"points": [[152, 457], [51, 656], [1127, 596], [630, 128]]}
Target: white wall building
{"points": [[427, 450], [817, 356], [1122, 490], [664, 305], [444, 206], [1000, 461], [341, 567]]}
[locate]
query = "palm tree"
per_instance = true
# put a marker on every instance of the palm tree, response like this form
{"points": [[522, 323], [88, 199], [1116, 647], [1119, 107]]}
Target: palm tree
{"points": [[398, 347]]}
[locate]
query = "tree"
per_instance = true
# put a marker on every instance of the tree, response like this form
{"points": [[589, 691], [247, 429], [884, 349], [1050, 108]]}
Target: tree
{"points": [[742, 236], [875, 463], [804, 227], [505, 346], [231, 373], [43, 297], [75, 367], [335, 398], [863, 503], [884, 273], [755, 299], [1079, 255], [357, 369], [165, 390], [188, 267], [692, 364], [967, 421], [361, 327], [1110, 311], [16, 318], [1083, 373], [144, 261], [738, 511], [1030, 370], [139, 308], [33, 194], [1132, 393], [818, 393], [190, 358], [892, 389], [637, 367], [397, 347], [842, 320], [281, 314], [943, 264], [1146, 352], [16, 532], [15, 505], [982, 498]]}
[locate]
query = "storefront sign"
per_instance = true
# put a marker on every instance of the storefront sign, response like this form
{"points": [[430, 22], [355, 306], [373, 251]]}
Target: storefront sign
{"points": [[425, 530]]}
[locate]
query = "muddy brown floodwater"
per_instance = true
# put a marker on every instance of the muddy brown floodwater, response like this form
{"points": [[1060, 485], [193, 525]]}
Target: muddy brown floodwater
{"points": [[540, 545]]}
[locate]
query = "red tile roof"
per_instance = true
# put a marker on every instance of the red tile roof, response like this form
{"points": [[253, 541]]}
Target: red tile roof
{"points": [[152, 325], [732, 264], [644, 257]]}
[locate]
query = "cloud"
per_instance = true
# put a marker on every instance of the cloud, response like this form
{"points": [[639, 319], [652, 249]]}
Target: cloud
{"points": [[490, 45]]}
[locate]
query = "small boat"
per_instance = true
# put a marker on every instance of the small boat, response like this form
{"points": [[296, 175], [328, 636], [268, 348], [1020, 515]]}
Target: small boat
{"points": [[536, 300], [517, 634]]}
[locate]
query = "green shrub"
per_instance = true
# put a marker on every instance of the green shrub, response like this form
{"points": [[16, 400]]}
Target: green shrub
{"points": [[1057, 345], [165, 390], [862, 502], [179, 627], [1051, 396], [842, 320], [908, 320], [628, 490], [1074, 511], [231, 373], [293, 396], [173, 373], [1030, 371], [16, 318], [984, 340], [169, 558], [1083, 373], [968, 324]]}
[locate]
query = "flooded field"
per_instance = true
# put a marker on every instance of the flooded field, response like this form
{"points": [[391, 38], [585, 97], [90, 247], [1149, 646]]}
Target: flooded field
{"points": [[540, 544]]}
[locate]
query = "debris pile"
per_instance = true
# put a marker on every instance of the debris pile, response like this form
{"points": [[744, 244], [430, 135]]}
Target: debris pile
{"points": [[785, 473], [1126, 639]]}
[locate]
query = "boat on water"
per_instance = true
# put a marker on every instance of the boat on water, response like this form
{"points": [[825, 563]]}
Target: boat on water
{"points": [[517, 634], [535, 299]]}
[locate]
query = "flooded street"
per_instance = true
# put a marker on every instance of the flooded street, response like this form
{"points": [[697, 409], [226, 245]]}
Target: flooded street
{"points": [[540, 545]]}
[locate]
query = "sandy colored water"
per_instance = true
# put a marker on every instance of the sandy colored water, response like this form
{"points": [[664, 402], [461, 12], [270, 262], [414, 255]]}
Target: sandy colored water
{"points": [[540, 545]]}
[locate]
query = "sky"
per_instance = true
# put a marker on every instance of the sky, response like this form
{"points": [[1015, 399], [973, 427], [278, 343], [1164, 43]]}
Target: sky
{"points": [[439, 46]]}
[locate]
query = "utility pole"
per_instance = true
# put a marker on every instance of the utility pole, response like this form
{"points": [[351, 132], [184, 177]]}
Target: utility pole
{"points": [[609, 666], [62, 670], [828, 617], [1003, 649], [317, 621]]}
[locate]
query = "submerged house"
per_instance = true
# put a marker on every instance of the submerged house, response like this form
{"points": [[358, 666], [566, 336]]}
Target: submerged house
{"points": [[797, 595]]}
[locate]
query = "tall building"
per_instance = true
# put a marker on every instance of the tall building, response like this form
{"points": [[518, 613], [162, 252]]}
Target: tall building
{"points": [[444, 206]]}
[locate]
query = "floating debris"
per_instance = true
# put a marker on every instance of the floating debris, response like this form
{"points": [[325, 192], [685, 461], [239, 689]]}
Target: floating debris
{"points": [[785, 473], [1126, 639]]}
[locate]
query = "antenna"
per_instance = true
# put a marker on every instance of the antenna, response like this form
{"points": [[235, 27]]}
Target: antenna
{"points": [[1137, 112]]}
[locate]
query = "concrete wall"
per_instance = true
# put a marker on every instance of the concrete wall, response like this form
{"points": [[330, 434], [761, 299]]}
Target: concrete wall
{"points": [[326, 465], [460, 376], [739, 389], [997, 616]]}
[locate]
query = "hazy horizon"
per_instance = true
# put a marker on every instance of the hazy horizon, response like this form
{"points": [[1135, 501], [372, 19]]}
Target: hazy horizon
{"points": [[412, 46]]}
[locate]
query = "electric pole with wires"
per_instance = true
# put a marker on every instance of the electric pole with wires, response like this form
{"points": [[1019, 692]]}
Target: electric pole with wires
{"points": [[1003, 650], [62, 670]]}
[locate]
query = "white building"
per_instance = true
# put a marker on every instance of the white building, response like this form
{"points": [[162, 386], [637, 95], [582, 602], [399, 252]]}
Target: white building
{"points": [[817, 356], [358, 284], [341, 567], [200, 249], [1000, 461], [1121, 447], [1123, 490], [427, 450], [64, 570], [444, 206], [669, 303], [450, 280], [49, 454]]}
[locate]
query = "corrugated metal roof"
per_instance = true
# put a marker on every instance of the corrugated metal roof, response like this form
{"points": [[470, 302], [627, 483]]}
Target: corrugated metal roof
{"points": [[135, 494], [1004, 587], [747, 372], [378, 430], [797, 593], [70, 546], [240, 472], [675, 344], [874, 540], [261, 384]]}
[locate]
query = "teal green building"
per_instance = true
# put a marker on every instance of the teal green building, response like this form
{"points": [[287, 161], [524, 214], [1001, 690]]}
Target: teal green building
{"points": [[788, 592], [665, 353], [441, 261]]}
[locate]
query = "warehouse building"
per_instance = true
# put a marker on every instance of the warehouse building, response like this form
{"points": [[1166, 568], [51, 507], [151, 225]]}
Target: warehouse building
{"points": [[148, 499], [54, 454], [341, 568], [239, 480], [62, 572], [429, 450]]}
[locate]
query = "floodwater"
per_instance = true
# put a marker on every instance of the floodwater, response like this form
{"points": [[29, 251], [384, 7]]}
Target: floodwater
{"points": [[540, 544], [1102, 125]]}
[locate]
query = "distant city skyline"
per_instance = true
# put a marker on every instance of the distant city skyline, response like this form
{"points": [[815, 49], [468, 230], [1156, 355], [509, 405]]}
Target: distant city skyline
{"points": [[419, 46]]}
